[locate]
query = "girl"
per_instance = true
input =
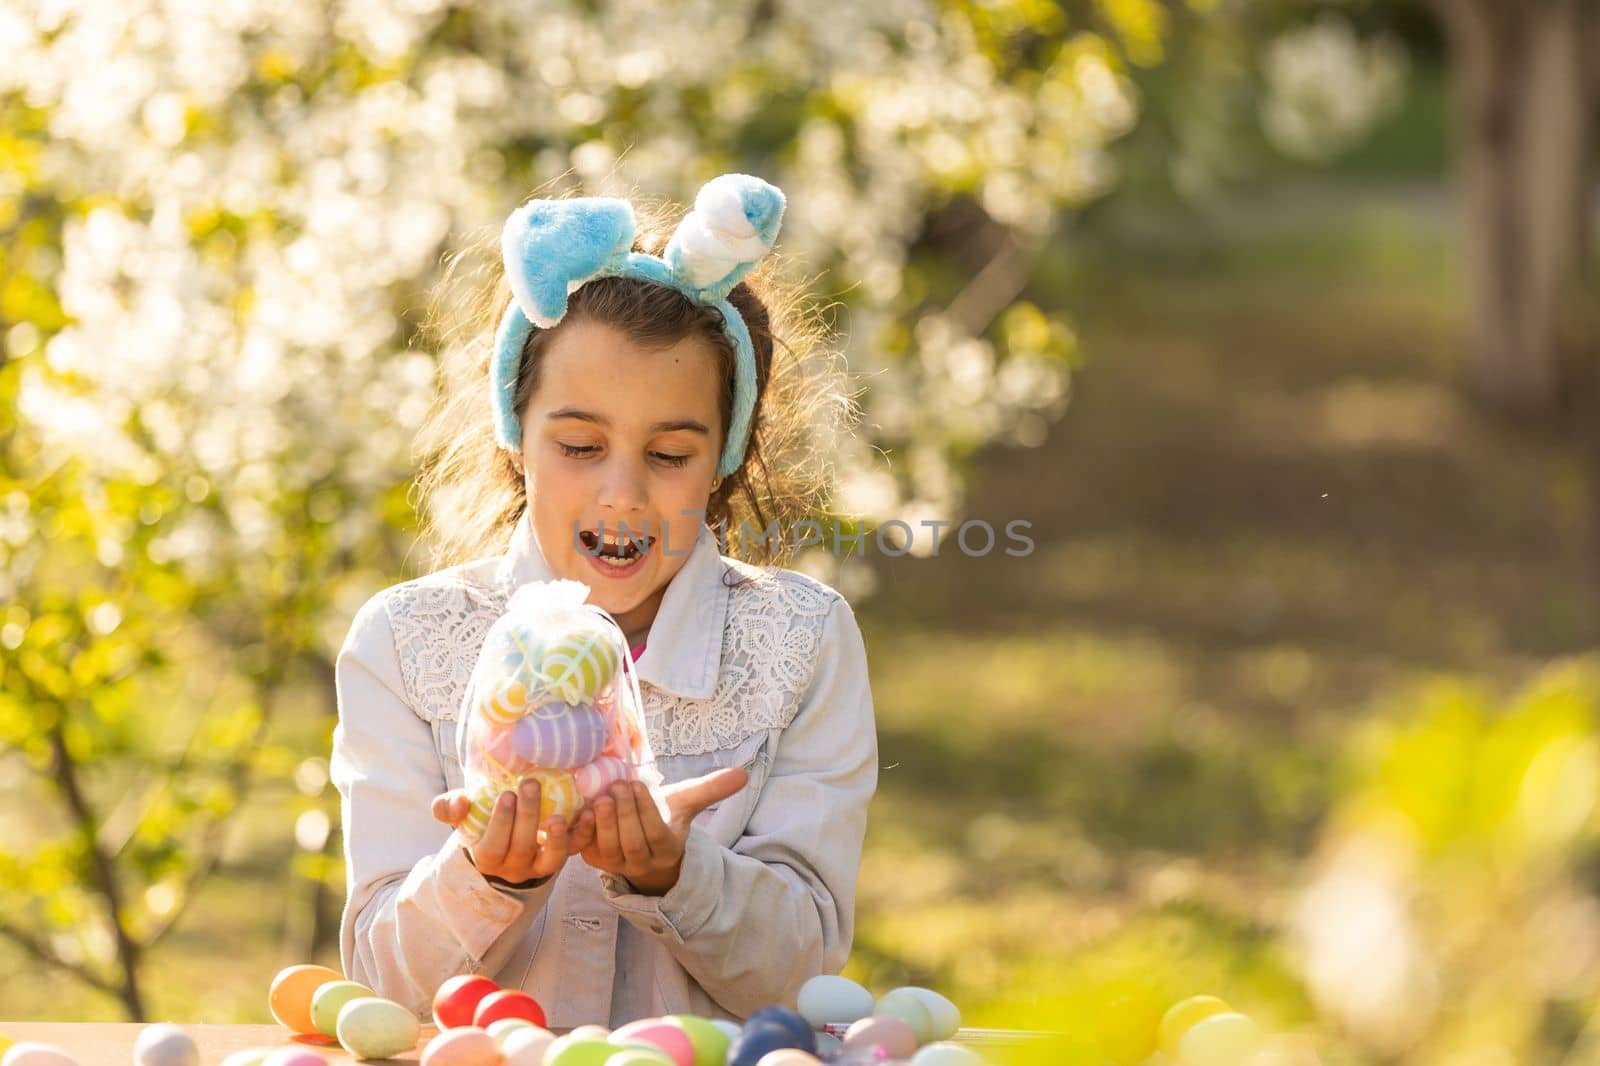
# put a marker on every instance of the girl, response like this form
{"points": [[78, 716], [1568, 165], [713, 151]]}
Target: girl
{"points": [[642, 395]]}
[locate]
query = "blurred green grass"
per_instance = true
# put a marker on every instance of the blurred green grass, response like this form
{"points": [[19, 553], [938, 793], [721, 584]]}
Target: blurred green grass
{"points": [[1268, 510]]}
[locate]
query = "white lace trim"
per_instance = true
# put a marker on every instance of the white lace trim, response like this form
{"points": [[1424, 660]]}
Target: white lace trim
{"points": [[770, 643]]}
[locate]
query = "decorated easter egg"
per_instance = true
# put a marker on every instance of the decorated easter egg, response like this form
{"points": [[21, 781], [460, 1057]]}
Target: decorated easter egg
{"points": [[513, 650], [375, 1028], [598, 776], [906, 1005], [710, 1043], [1220, 1040], [525, 1046], [580, 662], [830, 1000], [944, 1014], [456, 1001], [882, 1030], [465, 1045], [757, 1039], [485, 794], [804, 1035], [35, 1053], [626, 741], [550, 736], [945, 1054], [329, 1000], [573, 1050], [507, 1003], [661, 1034], [503, 700], [1184, 1015], [590, 1032], [165, 1044], [290, 996], [294, 1056]]}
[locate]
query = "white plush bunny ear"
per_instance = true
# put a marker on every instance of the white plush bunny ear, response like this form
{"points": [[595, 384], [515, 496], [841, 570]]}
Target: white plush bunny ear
{"points": [[733, 225]]}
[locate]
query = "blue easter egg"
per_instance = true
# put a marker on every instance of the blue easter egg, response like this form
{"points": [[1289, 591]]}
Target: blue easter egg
{"points": [[757, 1039], [805, 1037]]}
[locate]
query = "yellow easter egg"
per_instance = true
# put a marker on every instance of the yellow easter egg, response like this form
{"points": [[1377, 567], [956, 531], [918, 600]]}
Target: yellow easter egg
{"points": [[1182, 1016], [581, 662], [1229, 1039]]}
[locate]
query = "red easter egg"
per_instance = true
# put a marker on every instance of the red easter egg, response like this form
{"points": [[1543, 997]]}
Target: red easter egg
{"points": [[508, 1003], [457, 999]]}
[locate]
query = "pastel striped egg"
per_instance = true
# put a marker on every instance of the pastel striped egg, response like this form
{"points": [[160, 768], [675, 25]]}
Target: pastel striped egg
{"points": [[512, 648], [504, 701], [598, 775], [560, 739], [580, 662], [476, 822], [625, 739], [558, 794]]}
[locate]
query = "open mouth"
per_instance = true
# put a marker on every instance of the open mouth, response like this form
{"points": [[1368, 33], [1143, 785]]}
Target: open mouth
{"points": [[616, 549]]}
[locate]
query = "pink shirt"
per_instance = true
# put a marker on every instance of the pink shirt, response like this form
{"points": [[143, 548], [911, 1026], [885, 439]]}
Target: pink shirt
{"points": [[638, 652]]}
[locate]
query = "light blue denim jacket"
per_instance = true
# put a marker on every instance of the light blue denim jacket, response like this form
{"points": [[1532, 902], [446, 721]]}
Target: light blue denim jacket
{"points": [[762, 668]]}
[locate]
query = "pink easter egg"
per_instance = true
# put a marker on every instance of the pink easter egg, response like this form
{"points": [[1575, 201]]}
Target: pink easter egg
{"points": [[466, 1045], [894, 1035], [664, 1035], [596, 777], [294, 1056]]}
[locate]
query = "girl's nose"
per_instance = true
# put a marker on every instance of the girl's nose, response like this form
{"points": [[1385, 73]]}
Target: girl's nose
{"points": [[622, 488]]}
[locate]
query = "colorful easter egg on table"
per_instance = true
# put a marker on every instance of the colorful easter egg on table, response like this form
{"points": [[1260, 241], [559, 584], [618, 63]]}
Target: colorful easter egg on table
{"points": [[550, 736], [580, 662], [1183, 1016], [945, 1054], [804, 1035], [890, 1033], [594, 779], [757, 1039], [501, 1028], [290, 996], [906, 1005], [831, 1000], [710, 1043], [1220, 1040], [164, 1044], [639, 1055], [294, 1056], [572, 1050], [465, 1045], [456, 1001], [944, 1014], [590, 1032], [35, 1053], [664, 1036], [254, 1056], [525, 1046], [789, 1057], [374, 1028], [507, 1003], [330, 999]]}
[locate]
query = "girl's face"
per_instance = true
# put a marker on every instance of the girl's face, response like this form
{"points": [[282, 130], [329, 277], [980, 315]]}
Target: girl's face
{"points": [[624, 439]]}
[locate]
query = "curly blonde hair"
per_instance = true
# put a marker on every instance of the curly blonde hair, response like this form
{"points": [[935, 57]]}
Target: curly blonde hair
{"points": [[468, 494]]}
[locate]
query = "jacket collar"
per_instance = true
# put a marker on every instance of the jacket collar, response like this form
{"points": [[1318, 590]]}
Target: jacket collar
{"points": [[683, 653]]}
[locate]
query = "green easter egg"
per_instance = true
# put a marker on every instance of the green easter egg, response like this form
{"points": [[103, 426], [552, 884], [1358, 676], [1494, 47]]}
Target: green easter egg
{"points": [[374, 1028], [907, 1005], [565, 1051], [945, 1014], [329, 1000], [710, 1043]]}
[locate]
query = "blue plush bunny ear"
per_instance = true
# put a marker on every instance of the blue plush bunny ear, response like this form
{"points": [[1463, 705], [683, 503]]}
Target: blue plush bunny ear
{"points": [[553, 246], [733, 225]]}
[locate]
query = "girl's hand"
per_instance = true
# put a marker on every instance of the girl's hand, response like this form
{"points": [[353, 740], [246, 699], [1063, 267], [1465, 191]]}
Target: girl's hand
{"points": [[630, 839], [514, 847]]}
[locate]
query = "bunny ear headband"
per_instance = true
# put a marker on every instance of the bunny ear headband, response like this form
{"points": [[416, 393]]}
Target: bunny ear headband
{"points": [[551, 247]]}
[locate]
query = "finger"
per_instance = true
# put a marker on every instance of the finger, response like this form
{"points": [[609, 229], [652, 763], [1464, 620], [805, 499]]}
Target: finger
{"points": [[688, 798], [657, 833], [524, 845], [630, 831], [581, 836], [605, 833], [490, 852], [445, 806], [553, 853]]}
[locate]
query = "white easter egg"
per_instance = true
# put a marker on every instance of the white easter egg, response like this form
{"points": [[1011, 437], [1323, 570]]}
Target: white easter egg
{"points": [[831, 1000]]}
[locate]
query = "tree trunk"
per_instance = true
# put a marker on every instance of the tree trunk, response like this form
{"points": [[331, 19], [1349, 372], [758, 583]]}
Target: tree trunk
{"points": [[1526, 110]]}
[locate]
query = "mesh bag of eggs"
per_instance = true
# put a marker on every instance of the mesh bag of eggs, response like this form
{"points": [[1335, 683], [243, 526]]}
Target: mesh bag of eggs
{"points": [[553, 697]]}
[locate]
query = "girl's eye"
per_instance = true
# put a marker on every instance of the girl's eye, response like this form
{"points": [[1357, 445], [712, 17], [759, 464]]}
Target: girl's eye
{"points": [[574, 451], [671, 460]]}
